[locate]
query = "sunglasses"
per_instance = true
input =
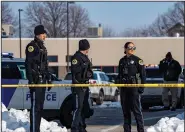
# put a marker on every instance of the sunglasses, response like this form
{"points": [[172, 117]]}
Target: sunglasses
{"points": [[131, 48]]}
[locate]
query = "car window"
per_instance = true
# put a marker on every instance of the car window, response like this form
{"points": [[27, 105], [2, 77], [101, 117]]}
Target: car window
{"points": [[10, 70], [112, 77], [106, 78], [54, 78], [102, 77], [68, 76], [95, 77], [153, 73]]}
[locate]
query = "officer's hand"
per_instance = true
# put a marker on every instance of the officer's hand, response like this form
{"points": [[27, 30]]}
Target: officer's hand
{"points": [[140, 90]]}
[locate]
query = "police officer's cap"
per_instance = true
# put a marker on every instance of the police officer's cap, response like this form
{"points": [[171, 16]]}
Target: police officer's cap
{"points": [[84, 44], [39, 30]]}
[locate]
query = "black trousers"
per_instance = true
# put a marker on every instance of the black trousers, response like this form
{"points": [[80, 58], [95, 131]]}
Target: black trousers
{"points": [[37, 103], [81, 105], [130, 101]]}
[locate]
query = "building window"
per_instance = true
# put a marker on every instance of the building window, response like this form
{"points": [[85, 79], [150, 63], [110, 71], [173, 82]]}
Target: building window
{"points": [[108, 69], [69, 58], [54, 70], [97, 67], [53, 58]]}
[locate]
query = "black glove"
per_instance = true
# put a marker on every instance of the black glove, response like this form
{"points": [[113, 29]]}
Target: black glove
{"points": [[140, 90], [32, 89]]}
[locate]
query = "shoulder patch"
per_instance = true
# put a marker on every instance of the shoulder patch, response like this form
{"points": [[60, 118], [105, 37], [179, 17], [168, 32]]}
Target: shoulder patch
{"points": [[141, 62], [74, 61], [30, 48]]}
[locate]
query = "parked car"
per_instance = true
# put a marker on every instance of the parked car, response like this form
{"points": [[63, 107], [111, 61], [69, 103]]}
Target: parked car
{"points": [[100, 94], [112, 76], [58, 101], [153, 96]]}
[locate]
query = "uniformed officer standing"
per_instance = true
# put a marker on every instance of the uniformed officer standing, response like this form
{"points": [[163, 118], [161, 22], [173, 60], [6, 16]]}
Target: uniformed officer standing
{"points": [[81, 73], [37, 73], [131, 68]]}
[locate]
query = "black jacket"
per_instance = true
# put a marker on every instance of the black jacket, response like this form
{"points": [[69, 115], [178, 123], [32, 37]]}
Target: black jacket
{"points": [[129, 67], [36, 62], [80, 63], [171, 70]]}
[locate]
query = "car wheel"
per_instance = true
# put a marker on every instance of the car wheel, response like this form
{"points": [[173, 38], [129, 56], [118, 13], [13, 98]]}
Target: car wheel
{"points": [[66, 115], [116, 96], [100, 98]]}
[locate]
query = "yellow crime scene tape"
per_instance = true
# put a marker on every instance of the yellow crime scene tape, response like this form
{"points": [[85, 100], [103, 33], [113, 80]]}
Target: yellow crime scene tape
{"points": [[178, 85]]}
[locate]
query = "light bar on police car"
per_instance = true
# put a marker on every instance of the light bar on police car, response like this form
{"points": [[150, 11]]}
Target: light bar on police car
{"points": [[6, 54]]}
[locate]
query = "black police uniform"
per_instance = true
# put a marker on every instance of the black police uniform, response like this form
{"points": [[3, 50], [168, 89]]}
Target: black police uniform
{"points": [[129, 69], [37, 72], [81, 73]]}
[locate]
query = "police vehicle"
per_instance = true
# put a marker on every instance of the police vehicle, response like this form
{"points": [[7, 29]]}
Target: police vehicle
{"points": [[100, 94], [58, 101], [153, 96]]}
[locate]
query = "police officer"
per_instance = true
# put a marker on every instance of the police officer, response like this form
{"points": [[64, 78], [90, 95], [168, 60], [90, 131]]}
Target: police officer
{"points": [[171, 69], [81, 73], [131, 71], [37, 73]]}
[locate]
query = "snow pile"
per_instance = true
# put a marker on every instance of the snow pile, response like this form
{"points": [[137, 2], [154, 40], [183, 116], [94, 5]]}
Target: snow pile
{"points": [[109, 104], [18, 121], [166, 124]]}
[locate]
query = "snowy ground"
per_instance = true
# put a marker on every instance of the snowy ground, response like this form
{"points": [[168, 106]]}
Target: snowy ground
{"points": [[18, 121], [173, 124]]}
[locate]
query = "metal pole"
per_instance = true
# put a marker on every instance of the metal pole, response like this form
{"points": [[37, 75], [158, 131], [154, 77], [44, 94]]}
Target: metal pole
{"points": [[20, 31], [67, 37]]}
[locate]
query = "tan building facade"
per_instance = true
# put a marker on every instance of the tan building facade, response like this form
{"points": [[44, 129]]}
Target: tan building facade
{"points": [[104, 53]]}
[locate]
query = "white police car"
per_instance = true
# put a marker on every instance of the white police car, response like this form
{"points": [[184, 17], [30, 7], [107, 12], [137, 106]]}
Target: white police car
{"points": [[153, 96], [58, 101], [100, 94]]}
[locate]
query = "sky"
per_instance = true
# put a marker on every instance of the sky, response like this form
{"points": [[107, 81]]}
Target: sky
{"points": [[117, 15]]}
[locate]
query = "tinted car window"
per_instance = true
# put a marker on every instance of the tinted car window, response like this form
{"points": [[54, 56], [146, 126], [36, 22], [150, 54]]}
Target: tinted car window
{"points": [[95, 77], [106, 78], [102, 77], [153, 73], [112, 77], [10, 70], [68, 76]]}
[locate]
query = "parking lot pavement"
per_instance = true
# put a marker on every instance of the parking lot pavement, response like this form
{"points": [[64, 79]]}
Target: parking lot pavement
{"points": [[111, 119]]}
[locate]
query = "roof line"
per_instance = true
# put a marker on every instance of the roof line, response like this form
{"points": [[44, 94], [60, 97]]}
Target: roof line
{"points": [[99, 38]]}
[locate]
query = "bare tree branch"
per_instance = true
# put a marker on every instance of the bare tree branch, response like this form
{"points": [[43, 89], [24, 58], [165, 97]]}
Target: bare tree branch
{"points": [[7, 14], [53, 15]]}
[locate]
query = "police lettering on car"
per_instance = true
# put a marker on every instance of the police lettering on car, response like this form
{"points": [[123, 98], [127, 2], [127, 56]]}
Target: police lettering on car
{"points": [[130, 68], [36, 65]]}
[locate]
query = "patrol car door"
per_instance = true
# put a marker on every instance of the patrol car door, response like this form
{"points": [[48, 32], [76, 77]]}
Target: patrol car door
{"points": [[105, 89], [109, 89], [52, 97], [12, 97]]}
